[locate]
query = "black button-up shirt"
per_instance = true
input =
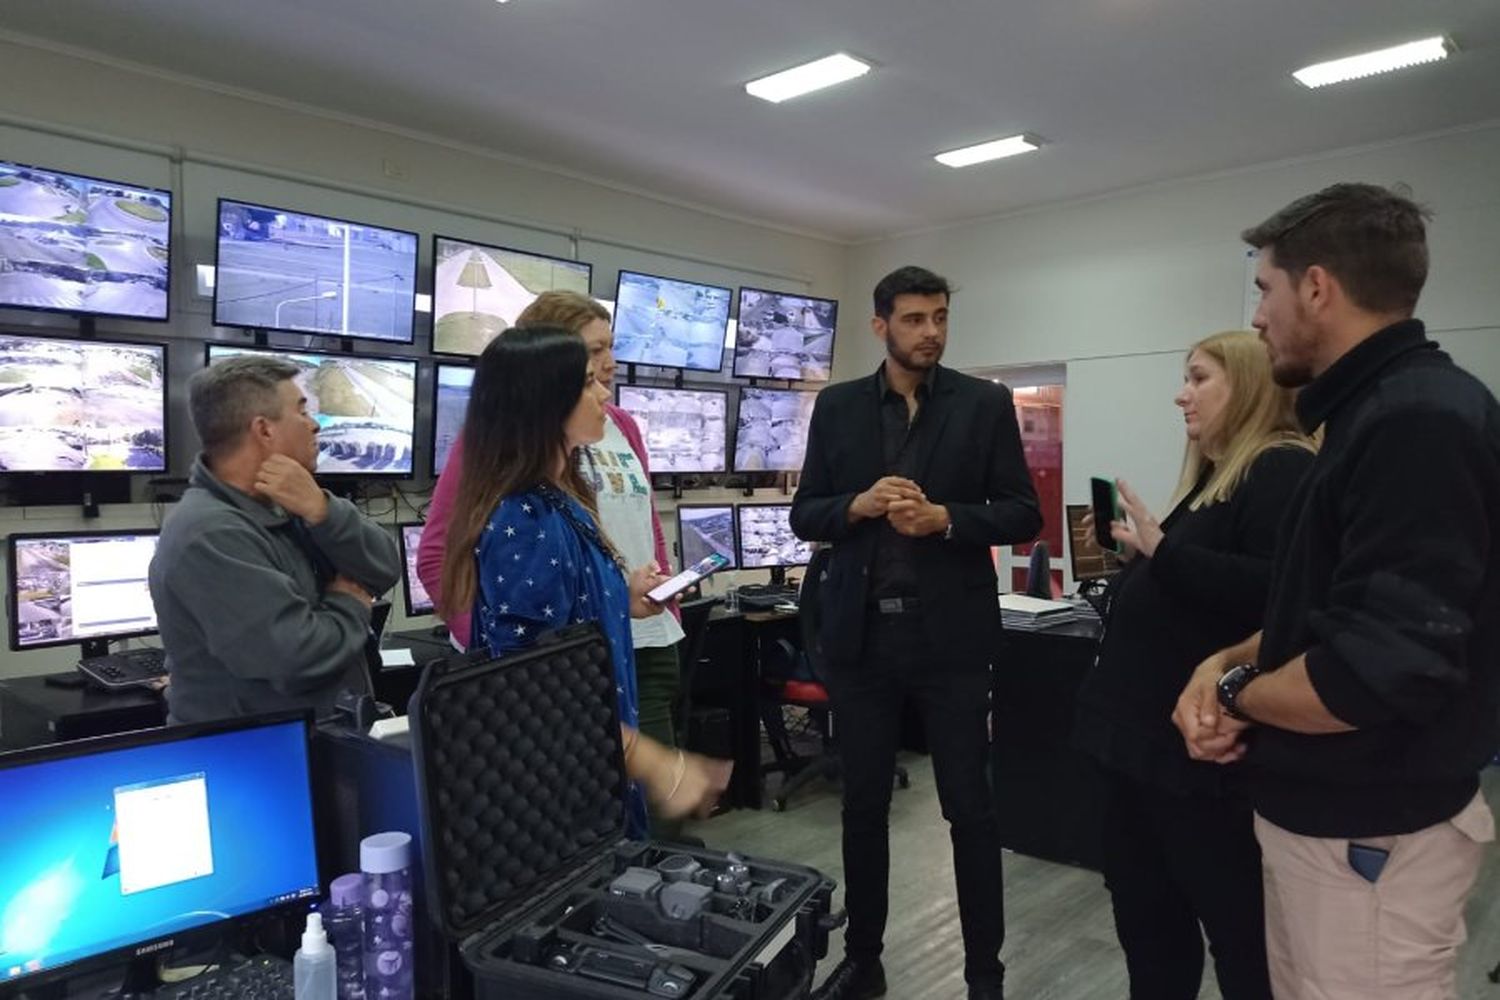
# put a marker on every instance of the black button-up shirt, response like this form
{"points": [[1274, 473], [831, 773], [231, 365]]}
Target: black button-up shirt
{"points": [[894, 570]]}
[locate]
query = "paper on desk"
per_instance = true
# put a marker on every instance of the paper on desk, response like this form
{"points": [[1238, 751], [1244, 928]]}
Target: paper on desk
{"points": [[396, 658]]}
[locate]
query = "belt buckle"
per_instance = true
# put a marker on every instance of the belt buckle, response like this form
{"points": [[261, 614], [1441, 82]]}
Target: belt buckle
{"points": [[889, 605]]}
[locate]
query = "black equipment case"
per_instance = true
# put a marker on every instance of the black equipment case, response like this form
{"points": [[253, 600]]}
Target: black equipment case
{"points": [[521, 789]]}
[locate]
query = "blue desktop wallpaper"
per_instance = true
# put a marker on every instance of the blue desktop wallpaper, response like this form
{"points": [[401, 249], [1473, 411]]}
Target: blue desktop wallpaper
{"points": [[60, 898]]}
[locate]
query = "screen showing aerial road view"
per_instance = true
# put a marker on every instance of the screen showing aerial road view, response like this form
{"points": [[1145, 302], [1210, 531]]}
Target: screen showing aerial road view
{"points": [[672, 324], [685, 429], [771, 433], [365, 408], [784, 336], [81, 245], [766, 537], [450, 404], [82, 587], [72, 406], [300, 273], [478, 291], [705, 531]]}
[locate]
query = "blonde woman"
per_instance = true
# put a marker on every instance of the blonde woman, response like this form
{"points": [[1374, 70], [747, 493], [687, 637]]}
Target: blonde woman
{"points": [[1180, 856]]}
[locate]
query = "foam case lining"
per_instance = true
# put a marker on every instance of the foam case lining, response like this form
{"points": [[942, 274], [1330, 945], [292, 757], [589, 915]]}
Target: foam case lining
{"points": [[521, 783]]}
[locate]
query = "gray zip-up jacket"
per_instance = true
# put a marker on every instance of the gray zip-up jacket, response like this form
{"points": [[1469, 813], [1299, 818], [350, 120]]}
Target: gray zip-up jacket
{"points": [[244, 622]]}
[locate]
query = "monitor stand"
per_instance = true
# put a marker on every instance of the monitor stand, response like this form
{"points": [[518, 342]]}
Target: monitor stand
{"points": [[778, 576], [94, 648]]}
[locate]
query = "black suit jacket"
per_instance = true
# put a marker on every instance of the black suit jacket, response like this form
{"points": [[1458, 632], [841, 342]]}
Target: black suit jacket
{"points": [[971, 463]]}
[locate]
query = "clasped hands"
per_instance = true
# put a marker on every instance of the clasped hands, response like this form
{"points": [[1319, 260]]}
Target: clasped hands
{"points": [[1210, 733], [901, 502]]}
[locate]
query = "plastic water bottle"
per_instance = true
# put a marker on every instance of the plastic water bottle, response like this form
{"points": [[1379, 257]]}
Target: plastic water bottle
{"points": [[385, 860], [345, 922], [313, 965]]}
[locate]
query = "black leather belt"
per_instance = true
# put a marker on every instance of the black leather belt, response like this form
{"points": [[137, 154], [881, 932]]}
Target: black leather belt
{"points": [[896, 605]]}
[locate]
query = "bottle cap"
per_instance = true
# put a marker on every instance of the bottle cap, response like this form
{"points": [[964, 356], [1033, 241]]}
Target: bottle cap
{"points": [[314, 939], [346, 890], [382, 853]]}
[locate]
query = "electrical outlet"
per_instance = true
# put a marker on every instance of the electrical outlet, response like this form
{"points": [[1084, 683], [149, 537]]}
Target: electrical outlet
{"points": [[393, 170]]}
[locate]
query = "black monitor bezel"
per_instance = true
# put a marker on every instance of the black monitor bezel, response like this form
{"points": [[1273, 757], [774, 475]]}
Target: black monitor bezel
{"points": [[734, 529], [145, 737], [1068, 510], [437, 366], [621, 386], [739, 310], [416, 374], [739, 537], [416, 261], [171, 246], [166, 377], [432, 325], [733, 457], [411, 612], [12, 595], [614, 315]]}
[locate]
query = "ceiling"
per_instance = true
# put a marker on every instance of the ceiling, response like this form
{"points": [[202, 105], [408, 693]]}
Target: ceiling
{"points": [[648, 93]]}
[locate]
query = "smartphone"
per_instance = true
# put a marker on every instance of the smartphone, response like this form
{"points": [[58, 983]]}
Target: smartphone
{"points": [[702, 569], [1106, 504]]}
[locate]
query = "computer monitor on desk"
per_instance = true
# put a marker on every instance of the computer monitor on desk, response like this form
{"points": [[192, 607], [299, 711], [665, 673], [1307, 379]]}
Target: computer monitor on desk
{"points": [[417, 600], [766, 540], [124, 846], [704, 530], [83, 587], [1090, 562]]}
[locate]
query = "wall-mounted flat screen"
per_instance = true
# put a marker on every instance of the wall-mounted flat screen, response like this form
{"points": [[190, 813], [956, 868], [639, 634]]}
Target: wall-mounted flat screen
{"points": [[450, 401], [300, 273], [365, 407], [82, 405], [766, 538], [704, 530], [784, 336], [771, 432], [83, 245], [685, 429], [670, 323], [479, 290]]}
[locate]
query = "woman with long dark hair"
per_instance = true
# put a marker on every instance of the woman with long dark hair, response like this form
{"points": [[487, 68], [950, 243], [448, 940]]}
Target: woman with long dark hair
{"points": [[525, 551]]}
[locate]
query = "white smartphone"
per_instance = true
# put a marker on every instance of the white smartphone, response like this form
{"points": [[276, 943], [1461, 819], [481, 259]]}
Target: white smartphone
{"points": [[703, 568]]}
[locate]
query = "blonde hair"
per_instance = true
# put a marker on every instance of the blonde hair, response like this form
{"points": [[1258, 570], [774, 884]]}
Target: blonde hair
{"points": [[1258, 415], [565, 310]]}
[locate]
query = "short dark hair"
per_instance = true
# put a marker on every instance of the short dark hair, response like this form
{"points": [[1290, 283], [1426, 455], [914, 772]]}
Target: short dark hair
{"points": [[908, 280], [1371, 238], [224, 397]]}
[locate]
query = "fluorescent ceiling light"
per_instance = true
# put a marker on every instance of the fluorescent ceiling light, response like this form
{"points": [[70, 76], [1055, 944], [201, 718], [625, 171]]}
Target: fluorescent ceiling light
{"points": [[995, 149], [1370, 63], [806, 78]]}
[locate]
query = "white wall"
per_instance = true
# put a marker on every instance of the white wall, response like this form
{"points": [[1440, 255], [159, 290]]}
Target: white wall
{"points": [[1117, 287]]}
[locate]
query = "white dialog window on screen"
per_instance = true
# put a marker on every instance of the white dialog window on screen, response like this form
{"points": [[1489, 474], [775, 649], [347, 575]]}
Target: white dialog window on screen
{"points": [[163, 833]]}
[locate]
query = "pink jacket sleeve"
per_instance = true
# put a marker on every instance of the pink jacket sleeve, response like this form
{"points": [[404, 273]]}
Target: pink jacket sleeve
{"points": [[632, 432], [434, 543]]}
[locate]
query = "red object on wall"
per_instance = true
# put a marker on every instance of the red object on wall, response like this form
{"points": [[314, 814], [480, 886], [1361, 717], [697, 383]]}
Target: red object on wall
{"points": [[1039, 414]]}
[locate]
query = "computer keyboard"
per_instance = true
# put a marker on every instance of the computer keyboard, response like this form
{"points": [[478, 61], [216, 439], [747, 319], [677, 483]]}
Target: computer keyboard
{"points": [[765, 596], [127, 669], [262, 978]]}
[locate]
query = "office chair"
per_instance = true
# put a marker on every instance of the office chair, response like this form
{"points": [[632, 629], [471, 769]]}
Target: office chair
{"points": [[803, 686], [1039, 572], [689, 727]]}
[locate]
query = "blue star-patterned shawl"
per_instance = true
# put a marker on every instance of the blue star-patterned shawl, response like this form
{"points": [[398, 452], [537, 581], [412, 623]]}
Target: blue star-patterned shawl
{"points": [[542, 565]]}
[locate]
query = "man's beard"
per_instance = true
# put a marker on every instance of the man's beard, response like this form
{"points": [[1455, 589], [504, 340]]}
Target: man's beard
{"points": [[907, 359]]}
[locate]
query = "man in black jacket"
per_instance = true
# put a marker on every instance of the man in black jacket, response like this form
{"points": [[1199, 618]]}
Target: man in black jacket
{"points": [[912, 474], [1371, 699]]}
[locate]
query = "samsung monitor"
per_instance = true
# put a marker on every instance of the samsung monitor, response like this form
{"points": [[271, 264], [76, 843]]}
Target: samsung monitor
{"points": [[479, 290], [766, 538], [784, 336], [83, 587], [670, 323], [771, 432], [365, 406], [685, 429], [704, 530], [82, 405], [121, 847], [417, 601], [299, 273], [1089, 561], [450, 403], [83, 245]]}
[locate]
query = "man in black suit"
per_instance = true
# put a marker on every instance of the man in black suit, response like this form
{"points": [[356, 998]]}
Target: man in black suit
{"points": [[912, 474]]}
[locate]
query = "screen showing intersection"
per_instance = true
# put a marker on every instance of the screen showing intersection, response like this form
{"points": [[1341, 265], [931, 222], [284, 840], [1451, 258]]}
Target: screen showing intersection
{"points": [[478, 290], [83, 245], [670, 323], [685, 429], [365, 407], [784, 336], [771, 432], [106, 849], [766, 537], [280, 270], [68, 588]]}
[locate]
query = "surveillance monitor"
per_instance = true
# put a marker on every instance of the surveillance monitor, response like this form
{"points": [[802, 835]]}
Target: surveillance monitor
{"points": [[704, 530], [417, 601], [784, 336], [479, 290], [685, 429], [670, 323], [83, 587], [450, 402], [771, 432], [766, 538]]}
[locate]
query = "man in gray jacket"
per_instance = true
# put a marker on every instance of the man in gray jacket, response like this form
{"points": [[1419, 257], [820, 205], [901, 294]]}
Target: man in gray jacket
{"points": [[262, 581]]}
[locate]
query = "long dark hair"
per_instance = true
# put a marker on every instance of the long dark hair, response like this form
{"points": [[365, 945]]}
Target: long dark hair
{"points": [[526, 384]]}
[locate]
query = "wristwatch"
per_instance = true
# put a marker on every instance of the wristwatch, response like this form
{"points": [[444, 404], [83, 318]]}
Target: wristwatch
{"points": [[1232, 683], [948, 531]]}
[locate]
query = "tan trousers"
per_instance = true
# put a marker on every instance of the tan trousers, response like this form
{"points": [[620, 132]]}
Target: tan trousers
{"points": [[1331, 935]]}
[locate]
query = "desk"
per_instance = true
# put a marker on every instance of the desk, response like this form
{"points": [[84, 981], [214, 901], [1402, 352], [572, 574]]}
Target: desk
{"points": [[1049, 796], [33, 712]]}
